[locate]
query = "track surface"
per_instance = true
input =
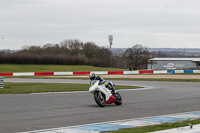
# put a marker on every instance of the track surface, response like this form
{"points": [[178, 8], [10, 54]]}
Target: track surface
{"points": [[27, 112]]}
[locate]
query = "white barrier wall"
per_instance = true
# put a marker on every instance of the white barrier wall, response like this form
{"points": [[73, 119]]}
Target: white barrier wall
{"points": [[63, 73], [179, 71], [160, 72], [24, 74], [131, 72], [196, 71], [100, 72]]}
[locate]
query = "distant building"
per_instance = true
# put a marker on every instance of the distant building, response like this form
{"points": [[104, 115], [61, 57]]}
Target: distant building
{"points": [[173, 63]]}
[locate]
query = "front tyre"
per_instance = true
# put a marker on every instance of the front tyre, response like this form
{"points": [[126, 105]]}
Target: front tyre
{"points": [[99, 98], [118, 99]]}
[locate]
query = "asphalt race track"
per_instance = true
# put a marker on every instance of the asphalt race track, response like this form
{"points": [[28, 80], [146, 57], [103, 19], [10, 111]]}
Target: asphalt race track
{"points": [[28, 112]]}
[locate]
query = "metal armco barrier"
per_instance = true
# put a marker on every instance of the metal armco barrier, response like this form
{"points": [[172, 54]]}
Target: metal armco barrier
{"points": [[1, 82]]}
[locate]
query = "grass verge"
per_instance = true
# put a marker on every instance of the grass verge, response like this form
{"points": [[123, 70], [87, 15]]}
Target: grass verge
{"points": [[153, 128], [133, 79], [156, 79], [21, 88]]}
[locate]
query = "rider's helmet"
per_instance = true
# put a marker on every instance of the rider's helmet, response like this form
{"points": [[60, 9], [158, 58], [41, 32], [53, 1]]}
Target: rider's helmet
{"points": [[92, 76], [107, 84]]}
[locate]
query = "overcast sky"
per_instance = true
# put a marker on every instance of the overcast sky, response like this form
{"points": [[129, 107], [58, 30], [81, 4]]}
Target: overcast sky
{"points": [[151, 23]]}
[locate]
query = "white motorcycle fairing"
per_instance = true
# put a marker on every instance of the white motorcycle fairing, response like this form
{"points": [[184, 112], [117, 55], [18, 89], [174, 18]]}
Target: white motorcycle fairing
{"points": [[109, 97]]}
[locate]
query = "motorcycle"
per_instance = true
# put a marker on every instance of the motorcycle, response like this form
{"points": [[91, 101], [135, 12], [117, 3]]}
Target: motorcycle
{"points": [[103, 95]]}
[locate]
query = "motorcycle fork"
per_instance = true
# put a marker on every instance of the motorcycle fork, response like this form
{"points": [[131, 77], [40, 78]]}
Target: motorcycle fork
{"points": [[100, 94]]}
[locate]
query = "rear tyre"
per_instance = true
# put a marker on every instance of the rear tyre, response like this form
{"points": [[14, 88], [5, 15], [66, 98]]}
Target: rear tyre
{"points": [[118, 99], [99, 99]]}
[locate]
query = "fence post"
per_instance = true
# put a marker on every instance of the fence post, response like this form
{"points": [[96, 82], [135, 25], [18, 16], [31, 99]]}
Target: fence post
{"points": [[1, 82]]}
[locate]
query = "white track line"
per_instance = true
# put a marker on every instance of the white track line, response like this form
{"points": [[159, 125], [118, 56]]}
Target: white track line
{"points": [[130, 122]]}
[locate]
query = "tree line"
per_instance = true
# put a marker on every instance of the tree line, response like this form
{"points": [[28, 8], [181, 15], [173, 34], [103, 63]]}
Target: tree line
{"points": [[76, 52]]}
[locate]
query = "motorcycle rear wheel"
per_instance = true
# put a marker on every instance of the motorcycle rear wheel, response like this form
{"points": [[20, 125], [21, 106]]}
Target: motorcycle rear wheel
{"points": [[99, 99], [118, 99]]}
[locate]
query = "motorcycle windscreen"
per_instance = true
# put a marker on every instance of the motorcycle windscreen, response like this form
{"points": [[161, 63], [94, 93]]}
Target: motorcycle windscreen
{"points": [[93, 86]]}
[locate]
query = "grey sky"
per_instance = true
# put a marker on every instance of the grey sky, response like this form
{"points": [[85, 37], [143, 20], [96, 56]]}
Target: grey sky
{"points": [[152, 23]]}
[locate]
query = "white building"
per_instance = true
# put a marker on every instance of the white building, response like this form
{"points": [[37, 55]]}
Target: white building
{"points": [[173, 63]]}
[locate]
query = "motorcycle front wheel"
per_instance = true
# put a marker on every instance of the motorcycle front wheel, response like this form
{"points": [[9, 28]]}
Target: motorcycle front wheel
{"points": [[118, 99], [99, 98]]}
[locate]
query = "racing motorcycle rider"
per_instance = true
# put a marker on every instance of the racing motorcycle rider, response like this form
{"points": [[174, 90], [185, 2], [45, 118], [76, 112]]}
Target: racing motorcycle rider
{"points": [[108, 85]]}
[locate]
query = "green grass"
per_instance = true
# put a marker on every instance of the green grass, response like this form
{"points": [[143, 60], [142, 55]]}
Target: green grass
{"points": [[9, 68], [130, 79], [186, 73], [157, 127], [21, 88], [155, 79]]}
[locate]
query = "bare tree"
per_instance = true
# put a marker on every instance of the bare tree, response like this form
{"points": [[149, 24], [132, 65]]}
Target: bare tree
{"points": [[137, 56], [68, 52], [74, 46], [90, 49]]}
